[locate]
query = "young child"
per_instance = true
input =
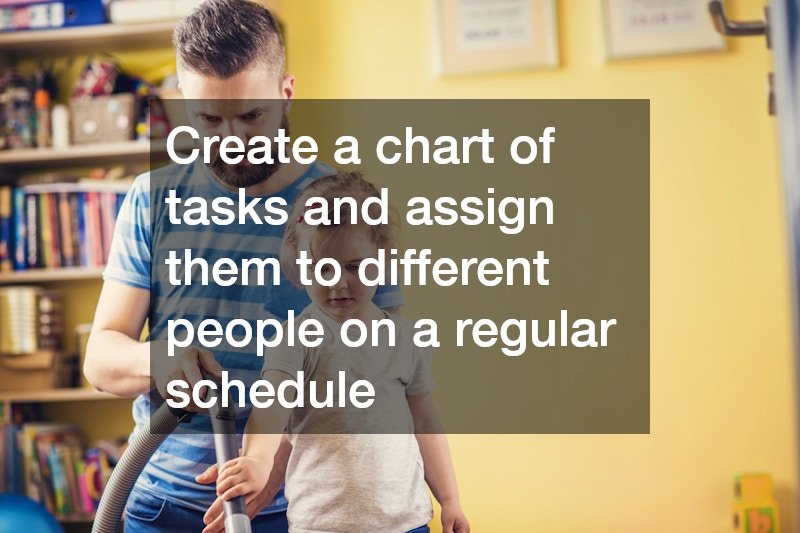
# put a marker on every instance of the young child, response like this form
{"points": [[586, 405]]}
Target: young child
{"points": [[342, 475]]}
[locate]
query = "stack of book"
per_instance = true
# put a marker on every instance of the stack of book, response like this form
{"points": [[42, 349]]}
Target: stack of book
{"points": [[30, 320], [58, 224], [48, 462]]}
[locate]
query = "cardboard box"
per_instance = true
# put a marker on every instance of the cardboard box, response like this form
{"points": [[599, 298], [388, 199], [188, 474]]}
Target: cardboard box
{"points": [[43, 369]]}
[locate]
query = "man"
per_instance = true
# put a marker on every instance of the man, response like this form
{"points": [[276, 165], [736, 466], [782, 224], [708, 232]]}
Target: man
{"points": [[231, 63]]}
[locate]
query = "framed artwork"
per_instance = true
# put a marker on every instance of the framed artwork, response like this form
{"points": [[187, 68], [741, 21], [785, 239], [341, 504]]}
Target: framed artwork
{"points": [[473, 36], [635, 28]]}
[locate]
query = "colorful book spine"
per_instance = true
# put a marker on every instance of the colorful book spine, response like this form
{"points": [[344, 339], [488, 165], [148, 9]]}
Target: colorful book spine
{"points": [[83, 237], [77, 227], [63, 501], [6, 232], [20, 229], [46, 230], [33, 256], [55, 230], [58, 224], [93, 228], [65, 230]]}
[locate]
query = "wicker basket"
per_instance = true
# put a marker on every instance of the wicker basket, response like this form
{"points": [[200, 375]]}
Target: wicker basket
{"points": [[103, 118]]}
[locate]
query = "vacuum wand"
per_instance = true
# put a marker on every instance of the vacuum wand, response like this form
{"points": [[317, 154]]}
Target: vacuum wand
{"points": [[144, 444], [223, 421]]}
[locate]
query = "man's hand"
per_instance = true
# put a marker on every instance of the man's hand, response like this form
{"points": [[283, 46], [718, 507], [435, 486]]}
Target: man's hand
{"points": [[215, 518], [185, 365]]}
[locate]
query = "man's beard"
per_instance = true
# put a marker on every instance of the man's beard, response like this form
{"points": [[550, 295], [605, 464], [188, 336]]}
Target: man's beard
{"points": [[247, 174]]}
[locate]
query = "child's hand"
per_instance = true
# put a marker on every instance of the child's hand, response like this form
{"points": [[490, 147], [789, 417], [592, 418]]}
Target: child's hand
{"points": [[453, 519], [242, 476]]}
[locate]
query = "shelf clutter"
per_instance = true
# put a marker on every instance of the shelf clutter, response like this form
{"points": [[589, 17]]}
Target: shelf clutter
{"points": [[106, 104], [51, 463], [32, 354], [48, 462]]}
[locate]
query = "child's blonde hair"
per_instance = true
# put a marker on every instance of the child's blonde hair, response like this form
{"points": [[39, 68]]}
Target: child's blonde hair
{"points": [[318, 238]]}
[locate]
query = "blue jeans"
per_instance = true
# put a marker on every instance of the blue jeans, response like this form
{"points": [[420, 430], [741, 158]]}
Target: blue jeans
{"points": [[146, 513]]}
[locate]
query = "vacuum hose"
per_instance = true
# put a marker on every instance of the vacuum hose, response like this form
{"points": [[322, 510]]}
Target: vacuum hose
{"points": [[144, 444]]}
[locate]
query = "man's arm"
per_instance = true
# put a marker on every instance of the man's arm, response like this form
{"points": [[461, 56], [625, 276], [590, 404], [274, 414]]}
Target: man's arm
{"points": [[116, 361]]}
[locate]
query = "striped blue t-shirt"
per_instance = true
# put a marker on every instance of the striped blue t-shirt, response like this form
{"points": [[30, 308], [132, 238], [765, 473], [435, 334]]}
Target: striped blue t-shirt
{"points": [[143, 238]]}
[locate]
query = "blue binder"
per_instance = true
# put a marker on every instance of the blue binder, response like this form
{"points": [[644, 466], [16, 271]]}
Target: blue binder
{"points": [[49, 15]]}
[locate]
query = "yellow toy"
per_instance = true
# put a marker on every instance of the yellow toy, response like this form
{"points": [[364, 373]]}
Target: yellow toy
{"points": [[755, 510]]}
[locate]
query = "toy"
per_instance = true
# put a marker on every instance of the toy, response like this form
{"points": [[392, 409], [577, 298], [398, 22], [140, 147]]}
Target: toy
{"points": [[19, 513], [754, 508]]}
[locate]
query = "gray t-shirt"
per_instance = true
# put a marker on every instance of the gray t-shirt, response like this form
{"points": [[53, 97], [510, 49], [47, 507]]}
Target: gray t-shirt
{"points": [[356, 470]]}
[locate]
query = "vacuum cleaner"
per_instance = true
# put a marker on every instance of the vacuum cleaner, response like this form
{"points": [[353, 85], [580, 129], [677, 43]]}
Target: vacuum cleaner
{"points": [[143, 446]]}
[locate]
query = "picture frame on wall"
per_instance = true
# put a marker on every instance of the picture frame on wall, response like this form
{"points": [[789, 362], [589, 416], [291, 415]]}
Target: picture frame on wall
{"points": [[639, 28], [476, 36]]}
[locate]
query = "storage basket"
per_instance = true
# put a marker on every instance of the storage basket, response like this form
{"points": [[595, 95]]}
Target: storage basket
{"points": [[103, 118]]}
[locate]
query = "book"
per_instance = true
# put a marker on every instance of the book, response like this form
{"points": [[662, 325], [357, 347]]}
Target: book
{"points": [[76, 214], [45, 230], [55, 229], [71, 457], [20, 227], [32, 255], [46, 15], [128, 11], [6, 233], [47, 481], [67, 248], [58, 477], [13, 459], [83, 240], [93, 228]]}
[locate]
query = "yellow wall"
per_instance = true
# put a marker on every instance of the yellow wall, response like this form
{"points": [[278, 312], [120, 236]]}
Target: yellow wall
{"points": [[721, 351]]}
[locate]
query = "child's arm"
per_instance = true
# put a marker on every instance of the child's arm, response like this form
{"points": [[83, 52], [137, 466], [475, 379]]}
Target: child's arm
{"points": [[439, 472], [248, 474], [214, 516]]}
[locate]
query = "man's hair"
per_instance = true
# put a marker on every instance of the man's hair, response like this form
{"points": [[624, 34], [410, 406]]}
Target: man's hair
{"points": [[222, 38], [323, 238]]}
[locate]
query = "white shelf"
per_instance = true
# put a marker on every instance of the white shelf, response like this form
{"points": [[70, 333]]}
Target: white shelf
{"points": [[87, 39], [57, 395], [40, 275], [90, 154]]}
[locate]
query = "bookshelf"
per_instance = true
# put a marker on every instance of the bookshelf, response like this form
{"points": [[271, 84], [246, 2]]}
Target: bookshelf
{"points": [[53, 395], [86, 39], [71, 405], [89, 154], [85, 155], [98, 415], [48, 275]]}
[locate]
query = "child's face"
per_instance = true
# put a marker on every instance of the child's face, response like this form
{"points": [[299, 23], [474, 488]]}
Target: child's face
{"points": [[349, 298]]}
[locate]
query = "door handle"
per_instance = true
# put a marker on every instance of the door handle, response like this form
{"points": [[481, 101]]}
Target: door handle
{"points": [[725, 26]]}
